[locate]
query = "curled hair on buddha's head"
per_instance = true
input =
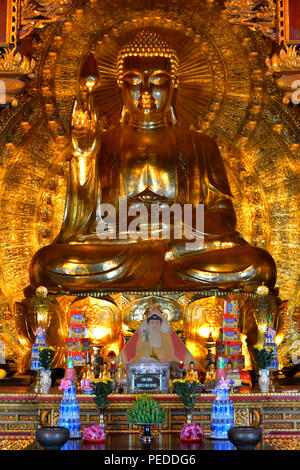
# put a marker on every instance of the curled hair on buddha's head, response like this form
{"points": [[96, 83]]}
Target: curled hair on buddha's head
{"points": [[148, 43]]}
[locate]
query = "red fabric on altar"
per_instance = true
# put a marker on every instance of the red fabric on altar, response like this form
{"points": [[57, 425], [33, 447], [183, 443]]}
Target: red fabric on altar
{"points": [[294, 21], [3, 21], [245, 377]]}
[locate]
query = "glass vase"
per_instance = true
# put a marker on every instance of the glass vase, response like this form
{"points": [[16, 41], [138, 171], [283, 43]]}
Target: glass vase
{"points": [[189, 415], [101, 418]]}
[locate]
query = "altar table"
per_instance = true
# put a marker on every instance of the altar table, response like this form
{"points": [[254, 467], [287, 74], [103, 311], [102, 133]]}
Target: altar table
{"points": [[162, 442], [21, 412]]}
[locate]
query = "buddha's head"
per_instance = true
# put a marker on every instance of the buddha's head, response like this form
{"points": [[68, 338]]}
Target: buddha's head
{"points": [[147, 77], [154, 322]]}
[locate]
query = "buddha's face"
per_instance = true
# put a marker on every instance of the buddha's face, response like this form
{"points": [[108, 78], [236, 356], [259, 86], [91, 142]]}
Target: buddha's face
{"points": [[155, 325], [147, 88]]}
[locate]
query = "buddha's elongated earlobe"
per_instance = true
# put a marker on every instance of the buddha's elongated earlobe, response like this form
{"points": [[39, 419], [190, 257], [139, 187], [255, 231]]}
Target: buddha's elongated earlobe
{"points": [[124, 115], [171, 116]]}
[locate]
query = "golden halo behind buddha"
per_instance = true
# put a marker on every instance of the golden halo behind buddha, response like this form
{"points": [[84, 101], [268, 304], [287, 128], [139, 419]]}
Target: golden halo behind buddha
{"points": [[190, 67], [223, 91], [221, 74]]}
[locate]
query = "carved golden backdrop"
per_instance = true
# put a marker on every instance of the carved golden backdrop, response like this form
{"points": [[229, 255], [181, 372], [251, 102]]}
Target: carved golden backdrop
{"points": [[223, 92]]}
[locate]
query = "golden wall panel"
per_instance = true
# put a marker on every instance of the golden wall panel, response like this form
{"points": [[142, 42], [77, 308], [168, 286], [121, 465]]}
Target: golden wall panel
{"points": [[280, 426], [8, 418], [234, 102], [294, 416], [27, 418]]}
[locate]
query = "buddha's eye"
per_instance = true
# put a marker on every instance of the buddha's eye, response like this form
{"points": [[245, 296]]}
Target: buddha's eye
{"points": [[159, 79], [133, 79]]}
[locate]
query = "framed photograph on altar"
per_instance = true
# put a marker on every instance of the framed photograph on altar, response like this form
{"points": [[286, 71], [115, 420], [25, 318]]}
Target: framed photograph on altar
{"points": [[8, 22], [289, 21]]}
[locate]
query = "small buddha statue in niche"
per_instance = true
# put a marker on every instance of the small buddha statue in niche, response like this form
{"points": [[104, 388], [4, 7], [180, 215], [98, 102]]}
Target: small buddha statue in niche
{"points": [[191, 373], [210, 377], [121, 370], [147, 159], [104, 373], [87, 373]]}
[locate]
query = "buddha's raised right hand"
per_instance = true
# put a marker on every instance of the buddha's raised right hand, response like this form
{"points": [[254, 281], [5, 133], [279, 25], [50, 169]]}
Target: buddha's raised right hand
{"points": [[84, 129]]}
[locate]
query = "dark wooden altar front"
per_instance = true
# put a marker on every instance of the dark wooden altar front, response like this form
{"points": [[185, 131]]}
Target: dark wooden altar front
{"points": [[22, 412]]}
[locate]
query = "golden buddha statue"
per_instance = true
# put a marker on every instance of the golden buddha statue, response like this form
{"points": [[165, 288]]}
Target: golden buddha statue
{"points": [[191, 373], [210, 376], [147, 159], [121, 370], [87, 373], [104, 374]]}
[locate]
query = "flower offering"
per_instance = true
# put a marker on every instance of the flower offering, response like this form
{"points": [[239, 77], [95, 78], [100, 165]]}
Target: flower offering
{"points": [[191, 432], [93, 433]]}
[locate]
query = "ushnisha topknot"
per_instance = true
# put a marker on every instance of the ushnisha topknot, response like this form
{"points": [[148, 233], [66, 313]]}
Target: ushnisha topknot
{"points": [[147, 44]]}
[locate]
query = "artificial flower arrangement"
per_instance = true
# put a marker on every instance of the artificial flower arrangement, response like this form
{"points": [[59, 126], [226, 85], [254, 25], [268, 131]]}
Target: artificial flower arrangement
{"points": [[46, 356], [94, 433], [187, 391], [223, 384], [101, 389], [65, 384], [263, 356], [191, 432]]}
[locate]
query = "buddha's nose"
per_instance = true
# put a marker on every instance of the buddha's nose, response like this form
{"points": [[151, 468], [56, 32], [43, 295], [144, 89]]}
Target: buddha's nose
{"points": [[146, 96], [146, 100]]}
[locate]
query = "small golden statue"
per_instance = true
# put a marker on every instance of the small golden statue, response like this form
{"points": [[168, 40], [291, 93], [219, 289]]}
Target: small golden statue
{"points": [[210, 376], [121, 371], [104, 374], [87, 373], [191, 373], [147, 159]]}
